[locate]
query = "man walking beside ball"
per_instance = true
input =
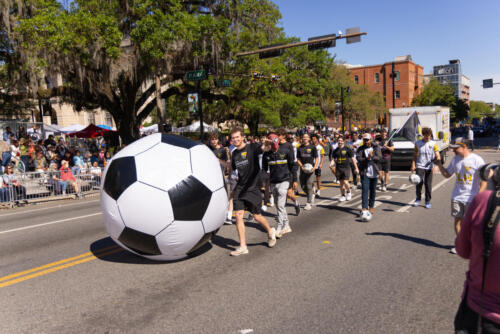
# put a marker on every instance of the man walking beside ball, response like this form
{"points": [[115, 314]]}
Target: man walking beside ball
{"points": [[246, 195], [307, 155]]}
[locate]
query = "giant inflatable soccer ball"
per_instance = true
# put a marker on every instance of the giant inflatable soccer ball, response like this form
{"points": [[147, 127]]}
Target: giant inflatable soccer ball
{"points": [[163, 197]]}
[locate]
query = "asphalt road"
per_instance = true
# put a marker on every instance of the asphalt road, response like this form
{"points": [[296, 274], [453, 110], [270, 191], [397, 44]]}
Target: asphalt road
{"points": [[60, 273]]}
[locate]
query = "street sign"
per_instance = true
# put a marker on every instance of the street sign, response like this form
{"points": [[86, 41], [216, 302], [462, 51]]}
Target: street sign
{"points": [[354, 39], [488, 83], [321, 45], [272, 53], [223, 83], [196, 75]]}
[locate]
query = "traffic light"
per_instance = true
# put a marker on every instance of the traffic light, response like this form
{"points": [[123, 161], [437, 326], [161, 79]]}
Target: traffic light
{"points": [[272, 53], [488, 83], [275, 77], [257, 75], [321, 45]]}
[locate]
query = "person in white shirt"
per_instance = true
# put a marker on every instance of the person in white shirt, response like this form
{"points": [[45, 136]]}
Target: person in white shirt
{"points": [[354, 144], [426, 151], [465, 165], [470, 138]]}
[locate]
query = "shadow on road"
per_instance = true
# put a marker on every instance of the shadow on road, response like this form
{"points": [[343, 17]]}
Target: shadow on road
{"points": [[117, 254], [420, 241], [231, 244]]}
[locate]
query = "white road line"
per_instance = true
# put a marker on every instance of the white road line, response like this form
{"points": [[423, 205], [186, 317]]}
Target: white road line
{"points": [[50, 223], [47, 208], [406, 207]]}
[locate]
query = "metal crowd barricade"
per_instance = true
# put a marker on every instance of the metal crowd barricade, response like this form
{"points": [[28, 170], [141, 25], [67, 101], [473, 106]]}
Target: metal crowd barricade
{"points": [[32, 187]]}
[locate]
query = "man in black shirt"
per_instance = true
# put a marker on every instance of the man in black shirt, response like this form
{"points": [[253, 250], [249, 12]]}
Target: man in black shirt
{"points": [[340, 165], [293, 173], [307, 155], [246, 195], [279, 162], [222, 153], [387, 147]]}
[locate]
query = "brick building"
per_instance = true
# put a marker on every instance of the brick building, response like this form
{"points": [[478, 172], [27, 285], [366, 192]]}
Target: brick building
{"points": [[408, 80]]}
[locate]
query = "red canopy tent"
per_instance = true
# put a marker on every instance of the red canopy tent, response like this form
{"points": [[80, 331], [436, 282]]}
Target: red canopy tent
{"points": [[90, 131]]}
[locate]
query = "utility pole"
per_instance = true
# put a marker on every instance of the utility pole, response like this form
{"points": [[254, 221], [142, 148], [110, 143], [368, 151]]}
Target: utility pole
{"points": [[342, 107], [200, 111]]}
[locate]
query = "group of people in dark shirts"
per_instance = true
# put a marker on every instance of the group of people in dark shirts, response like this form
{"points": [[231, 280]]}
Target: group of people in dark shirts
{"points": [[285, 163]]}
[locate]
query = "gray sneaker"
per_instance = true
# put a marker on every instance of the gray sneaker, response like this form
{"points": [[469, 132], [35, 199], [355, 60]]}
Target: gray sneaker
{"points": [[286, 230], [271, 238], [279, 232], [239, 251]]}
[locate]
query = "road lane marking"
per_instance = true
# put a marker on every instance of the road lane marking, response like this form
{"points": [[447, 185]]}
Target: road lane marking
{"points": [[48, 265], [50, 223], [410, 204], [47, 208], [111, 250]]}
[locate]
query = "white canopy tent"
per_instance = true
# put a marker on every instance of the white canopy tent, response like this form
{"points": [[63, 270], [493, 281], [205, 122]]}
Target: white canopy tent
{"points": [[72, 128], [195, 127]]}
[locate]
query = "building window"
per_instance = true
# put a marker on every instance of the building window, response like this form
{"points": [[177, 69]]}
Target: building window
{"points": [[397, 94], [91, 118], [109, 118], [356, 79], [377, 78], [396, 75]]}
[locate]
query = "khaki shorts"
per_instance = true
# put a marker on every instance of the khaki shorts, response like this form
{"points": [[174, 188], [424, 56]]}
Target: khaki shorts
{"points": [[458, 209]]}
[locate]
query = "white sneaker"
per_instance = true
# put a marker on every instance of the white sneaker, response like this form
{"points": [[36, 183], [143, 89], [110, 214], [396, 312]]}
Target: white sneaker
{"points": [[416, 203], [239, 251], [286, 230], [228, 221], [348, 196], [272, 202], [384, 188], [307, 207], [342, 198], [229, 215], [318, 193], [264, 208], [279, 232], [453, 250], [379, 187], [271, 238]]}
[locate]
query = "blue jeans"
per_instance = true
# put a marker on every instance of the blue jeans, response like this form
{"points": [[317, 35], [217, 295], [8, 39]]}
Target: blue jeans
{"points": [[63, 185], [6, 156], [369, 188], [4, 194]]}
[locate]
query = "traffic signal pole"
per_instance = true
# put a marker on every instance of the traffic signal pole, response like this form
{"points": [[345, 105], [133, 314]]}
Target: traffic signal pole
{"points": [[200, 111], [292, 45]]}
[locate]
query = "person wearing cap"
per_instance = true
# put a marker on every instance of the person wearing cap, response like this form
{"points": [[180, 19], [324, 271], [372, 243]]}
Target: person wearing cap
{"points": [[279, 161], [368, 158], [465, 165], [426, 151]]}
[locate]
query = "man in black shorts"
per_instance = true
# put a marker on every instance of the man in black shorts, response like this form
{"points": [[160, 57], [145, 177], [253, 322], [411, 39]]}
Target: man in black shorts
{"points": [[246, 195], [307, 155], [293, 173], [340, 165], [387, 147]]}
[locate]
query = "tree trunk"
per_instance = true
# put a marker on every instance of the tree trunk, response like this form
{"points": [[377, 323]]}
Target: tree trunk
{"points": [[127, 126], [253, 124], [159, 105]]}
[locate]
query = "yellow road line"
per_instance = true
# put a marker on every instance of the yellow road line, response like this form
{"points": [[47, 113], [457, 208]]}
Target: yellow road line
{"points": [[58, 265]]}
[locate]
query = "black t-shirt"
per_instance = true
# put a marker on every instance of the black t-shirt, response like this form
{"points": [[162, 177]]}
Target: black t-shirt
{"points": [[342, 156], [386, 154], [307, 154], [220, 153], [246, 162]]}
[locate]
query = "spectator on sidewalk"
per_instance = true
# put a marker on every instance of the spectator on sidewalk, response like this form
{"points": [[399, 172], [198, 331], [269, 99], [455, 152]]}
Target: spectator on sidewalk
{"points": [[40, 162], [69, 178], [10, 179], [78, 163], [24, 151], [59, 186]]}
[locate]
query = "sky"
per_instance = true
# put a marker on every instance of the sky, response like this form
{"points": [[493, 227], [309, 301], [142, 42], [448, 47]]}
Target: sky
{"points": [[432, 32]]}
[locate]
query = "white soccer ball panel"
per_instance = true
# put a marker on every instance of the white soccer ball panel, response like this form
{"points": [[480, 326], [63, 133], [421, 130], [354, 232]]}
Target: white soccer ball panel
{"points": [[145, 209], [139, 146], [206, 167], [216, 211], [112, 219], [179, 238], [163, 166]]}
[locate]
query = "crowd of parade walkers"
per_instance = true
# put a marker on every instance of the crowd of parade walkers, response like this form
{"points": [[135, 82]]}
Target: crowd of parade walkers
{"points": [[54, 160], [266, 171]]}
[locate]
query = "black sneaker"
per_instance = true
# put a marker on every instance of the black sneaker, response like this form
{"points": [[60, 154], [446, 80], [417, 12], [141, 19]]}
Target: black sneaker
{"points": [[297, 209]]}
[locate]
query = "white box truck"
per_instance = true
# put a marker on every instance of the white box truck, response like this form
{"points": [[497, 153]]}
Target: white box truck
{"points": [[435, 117]]}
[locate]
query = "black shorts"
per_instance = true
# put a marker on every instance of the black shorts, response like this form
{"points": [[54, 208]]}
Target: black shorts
{"points": [[317, 172], [295, 171], [250, 200], [343, 173], [385, 165]]}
